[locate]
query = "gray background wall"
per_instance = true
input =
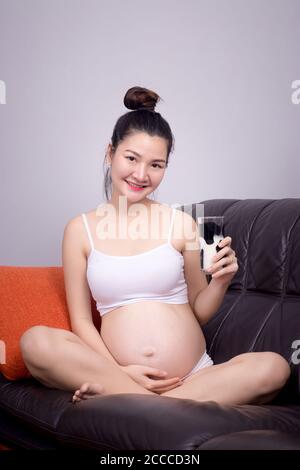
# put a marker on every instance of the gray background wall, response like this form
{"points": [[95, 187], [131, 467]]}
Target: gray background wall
{"points": [[223, 68]]}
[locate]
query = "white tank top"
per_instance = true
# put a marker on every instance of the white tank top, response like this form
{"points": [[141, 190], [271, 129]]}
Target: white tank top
{"points": [[155, 275]]}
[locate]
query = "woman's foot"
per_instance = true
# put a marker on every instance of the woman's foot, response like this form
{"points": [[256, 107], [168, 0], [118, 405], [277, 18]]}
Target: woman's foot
{"points": [[86, 391]]}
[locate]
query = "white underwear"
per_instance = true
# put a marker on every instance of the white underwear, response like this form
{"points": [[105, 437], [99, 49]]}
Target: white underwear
{"points": [[205, 361]]}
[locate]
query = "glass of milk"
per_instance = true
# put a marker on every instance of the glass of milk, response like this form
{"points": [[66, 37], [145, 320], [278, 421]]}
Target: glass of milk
{"points": [[211, 233]]}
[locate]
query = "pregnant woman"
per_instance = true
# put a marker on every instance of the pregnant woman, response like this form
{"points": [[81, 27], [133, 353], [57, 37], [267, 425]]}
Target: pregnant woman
{"points": [[140, 260]]}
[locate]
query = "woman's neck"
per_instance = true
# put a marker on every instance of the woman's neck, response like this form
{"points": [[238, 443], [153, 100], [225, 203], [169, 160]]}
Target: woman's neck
{"points": [[128, 209]]}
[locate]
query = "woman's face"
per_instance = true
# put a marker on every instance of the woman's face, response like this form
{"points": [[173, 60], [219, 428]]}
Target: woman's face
{"points": [[140, 159]]}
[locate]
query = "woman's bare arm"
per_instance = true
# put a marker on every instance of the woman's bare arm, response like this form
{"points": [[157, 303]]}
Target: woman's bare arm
{"points": [[77, 289]]}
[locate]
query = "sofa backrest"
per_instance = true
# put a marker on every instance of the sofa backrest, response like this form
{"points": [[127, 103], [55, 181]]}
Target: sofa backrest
{"points": [[261, 309]]}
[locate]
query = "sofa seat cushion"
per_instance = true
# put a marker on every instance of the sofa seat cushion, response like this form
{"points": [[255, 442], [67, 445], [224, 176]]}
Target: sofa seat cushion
{"points": [[133, 422]]}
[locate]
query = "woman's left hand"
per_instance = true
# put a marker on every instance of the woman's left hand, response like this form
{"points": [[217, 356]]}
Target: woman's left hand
{"points": [[225, 264]]}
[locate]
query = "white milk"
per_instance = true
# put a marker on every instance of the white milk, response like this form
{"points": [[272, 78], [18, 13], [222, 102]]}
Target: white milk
{"points": [[209, 250]]}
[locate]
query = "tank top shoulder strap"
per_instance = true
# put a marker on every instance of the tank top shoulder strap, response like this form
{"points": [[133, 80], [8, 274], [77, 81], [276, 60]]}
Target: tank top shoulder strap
{"points": [[171, 225], [88, 230]]}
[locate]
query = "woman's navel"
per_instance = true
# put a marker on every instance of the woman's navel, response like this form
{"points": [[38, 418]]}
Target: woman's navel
{"points": [[148, 351]]}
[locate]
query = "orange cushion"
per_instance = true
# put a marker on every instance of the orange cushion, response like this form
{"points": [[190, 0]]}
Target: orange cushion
{"points": [[28, 296]]}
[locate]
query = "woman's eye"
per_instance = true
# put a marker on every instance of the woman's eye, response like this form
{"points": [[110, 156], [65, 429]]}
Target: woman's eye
{"points": [[155, 165]]}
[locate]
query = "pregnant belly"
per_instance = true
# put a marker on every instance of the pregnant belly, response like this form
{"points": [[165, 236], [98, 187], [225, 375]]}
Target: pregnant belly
{"points": [[164, 336]]}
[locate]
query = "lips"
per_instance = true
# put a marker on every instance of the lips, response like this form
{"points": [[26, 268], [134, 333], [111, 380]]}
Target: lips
{"points": [[135, 188]]}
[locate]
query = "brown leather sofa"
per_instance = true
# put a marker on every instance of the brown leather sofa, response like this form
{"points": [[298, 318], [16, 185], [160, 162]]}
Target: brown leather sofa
{"points": [[260, 312]]}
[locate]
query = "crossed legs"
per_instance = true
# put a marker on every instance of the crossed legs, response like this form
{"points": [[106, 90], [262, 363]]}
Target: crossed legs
{"points": [[60, 359]]}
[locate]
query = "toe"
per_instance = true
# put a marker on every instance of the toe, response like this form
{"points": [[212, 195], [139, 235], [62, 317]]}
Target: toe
{"points": [[84, 388], [76, 396]]}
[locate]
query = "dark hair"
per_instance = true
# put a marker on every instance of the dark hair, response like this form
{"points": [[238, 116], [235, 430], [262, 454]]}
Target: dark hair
{"points": [[142, 118]]}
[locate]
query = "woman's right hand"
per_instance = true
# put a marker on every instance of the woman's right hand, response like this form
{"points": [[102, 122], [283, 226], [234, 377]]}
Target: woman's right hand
{"points": [[142, 375]]}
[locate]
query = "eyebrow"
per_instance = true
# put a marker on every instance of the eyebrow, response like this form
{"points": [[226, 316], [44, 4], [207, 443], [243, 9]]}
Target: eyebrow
{"points": [[138, 155]]}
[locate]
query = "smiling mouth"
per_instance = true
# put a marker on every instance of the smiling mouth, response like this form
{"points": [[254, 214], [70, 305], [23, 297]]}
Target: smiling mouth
{"points": [[135, 187]]}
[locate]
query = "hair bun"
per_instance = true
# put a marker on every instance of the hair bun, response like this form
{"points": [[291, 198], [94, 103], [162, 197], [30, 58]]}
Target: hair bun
{"points": [[141, 98]]}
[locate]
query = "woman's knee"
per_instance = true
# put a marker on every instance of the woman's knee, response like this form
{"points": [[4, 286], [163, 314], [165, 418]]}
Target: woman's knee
{"points": [[38, 345], [273, 371]]}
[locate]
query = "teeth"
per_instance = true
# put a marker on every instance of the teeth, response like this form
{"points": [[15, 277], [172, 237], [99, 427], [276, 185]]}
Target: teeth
{"points": [[132, 184]]}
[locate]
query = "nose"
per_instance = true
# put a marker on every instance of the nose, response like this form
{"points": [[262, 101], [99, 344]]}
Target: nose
{"points": [[140, 173]]}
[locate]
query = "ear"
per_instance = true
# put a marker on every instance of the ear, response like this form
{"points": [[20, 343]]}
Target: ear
{"points": [[108, 155]]}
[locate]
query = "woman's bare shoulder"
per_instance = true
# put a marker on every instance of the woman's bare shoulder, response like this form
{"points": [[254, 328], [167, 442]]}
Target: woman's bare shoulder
{"points": [[74, 233], [75, 223]]}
